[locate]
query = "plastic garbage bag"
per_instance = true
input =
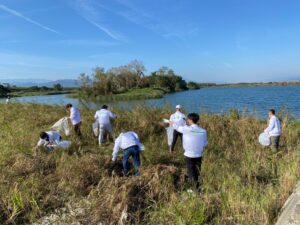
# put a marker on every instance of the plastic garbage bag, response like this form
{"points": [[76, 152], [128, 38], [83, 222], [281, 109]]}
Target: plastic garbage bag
{"points": [[95, 127], [170, 131], [142, 147], [264, 139], [62, 125], [64, 145]]}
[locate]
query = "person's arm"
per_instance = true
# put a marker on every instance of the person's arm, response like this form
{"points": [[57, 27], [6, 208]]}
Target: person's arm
{"points": [[116, 148], [205, 140], [112, 115], [40, 143], [180, 129], [72, 114], [138, 141], [271, 125], [96, 115]]}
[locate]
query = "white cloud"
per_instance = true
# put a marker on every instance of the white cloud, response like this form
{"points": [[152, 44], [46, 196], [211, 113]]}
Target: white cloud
{"points": [[18, 14], [86, 9]]}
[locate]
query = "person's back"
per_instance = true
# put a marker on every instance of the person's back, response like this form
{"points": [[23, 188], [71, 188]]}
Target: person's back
{"points": [[179, 118], [104, 116], [49, 137], [130, 144], [75, 115], [194, 140]]}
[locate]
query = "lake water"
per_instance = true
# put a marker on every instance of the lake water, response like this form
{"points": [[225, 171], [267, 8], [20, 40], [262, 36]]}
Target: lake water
{"points": [[254, 100]]}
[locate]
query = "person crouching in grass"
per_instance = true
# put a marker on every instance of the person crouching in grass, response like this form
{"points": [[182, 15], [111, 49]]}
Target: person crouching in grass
{"points": [[194, 142], [47, 140]]}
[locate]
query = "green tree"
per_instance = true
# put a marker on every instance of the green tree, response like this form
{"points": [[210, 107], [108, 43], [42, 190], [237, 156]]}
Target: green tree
{"points": [[4, 90], [57, 87]]}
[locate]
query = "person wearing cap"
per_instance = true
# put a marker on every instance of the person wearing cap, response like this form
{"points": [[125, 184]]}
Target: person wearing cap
{"points": [[75, 119], [194, 142], [130, 143], [104, 117], [273, 130], [179, 118]]}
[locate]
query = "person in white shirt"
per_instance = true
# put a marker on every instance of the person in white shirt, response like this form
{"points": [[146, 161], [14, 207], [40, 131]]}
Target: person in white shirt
{"points": [[104, 117], [48, 139], [75, 119], [273, 130], [194, 142], [179, 118], [7, 100], [130, 143]]}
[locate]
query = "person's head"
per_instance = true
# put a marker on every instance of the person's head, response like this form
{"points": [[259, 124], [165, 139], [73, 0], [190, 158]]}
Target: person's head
{"points": [[69, 106], [271, 113], [44, 135], [192, 118], [104, 107], [178, 108]]}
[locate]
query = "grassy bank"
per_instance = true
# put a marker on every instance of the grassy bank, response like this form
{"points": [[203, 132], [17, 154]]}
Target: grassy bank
{"points": [[132, 94], [238, 186], [39, 93]]}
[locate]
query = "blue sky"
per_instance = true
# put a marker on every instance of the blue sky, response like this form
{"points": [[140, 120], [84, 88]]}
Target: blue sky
{"points": [[206, 41]]}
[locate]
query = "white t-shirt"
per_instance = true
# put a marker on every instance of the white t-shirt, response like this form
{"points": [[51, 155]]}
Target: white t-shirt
{"points": [[179, 118], [104, 116], [126, 140], [54, 138], [274, 128], [194, 140], [75, 116]]}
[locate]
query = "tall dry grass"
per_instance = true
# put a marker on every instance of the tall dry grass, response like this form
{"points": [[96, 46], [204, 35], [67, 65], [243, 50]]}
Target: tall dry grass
{"points": [[239, 186]]}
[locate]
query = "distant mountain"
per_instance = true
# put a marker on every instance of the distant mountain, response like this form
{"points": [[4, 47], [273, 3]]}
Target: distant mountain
{"points": [[40, 82]]}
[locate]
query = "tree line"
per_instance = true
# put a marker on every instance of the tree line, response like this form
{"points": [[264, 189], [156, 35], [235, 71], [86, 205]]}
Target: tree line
{"points": [[132, 75]]}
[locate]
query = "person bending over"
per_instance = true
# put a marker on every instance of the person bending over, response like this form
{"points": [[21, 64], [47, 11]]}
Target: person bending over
{"points": [[130, 143]]}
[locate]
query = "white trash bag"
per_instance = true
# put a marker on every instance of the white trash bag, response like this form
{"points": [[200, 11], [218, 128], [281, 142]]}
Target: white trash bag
{"points": [[264, 139], [170, 131], [95, 127], [64, 145], [62, 125]]}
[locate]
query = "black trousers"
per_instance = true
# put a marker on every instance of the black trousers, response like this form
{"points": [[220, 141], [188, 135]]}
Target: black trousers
{"points": [[77, 129], [176, 134], [193, 169]]}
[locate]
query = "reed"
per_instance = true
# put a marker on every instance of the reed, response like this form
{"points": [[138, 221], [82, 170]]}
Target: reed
{"points": [[86, 187]]}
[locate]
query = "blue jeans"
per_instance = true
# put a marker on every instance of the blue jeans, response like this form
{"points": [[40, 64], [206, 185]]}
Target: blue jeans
{"points": [[133, 151]]}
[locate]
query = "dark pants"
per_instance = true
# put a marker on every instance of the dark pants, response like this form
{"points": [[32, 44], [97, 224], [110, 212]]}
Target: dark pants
{"points": [[176, 134], [275, 143], [77, 129], [193, 169], [133, 151]]}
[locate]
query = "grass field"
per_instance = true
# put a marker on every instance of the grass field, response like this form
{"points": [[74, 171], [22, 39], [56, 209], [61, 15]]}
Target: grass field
{"points": [[239, 186]]}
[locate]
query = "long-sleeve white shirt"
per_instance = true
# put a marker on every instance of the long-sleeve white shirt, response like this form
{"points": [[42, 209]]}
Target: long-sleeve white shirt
{"points": [[124, 141], [179, 118], [104, 116], [75, 116], [194, 140], [273, 128], [54, 138]]}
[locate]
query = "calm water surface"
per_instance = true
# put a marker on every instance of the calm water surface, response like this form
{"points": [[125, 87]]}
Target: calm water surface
{"points": [[253, 100]]}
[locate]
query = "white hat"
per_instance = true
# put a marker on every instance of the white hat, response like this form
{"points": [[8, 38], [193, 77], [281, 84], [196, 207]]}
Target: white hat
{"points": [[178, 106]]}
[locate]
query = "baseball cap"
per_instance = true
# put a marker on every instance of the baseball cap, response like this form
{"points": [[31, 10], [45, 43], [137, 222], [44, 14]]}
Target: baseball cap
{"points": [[178, 106]]}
